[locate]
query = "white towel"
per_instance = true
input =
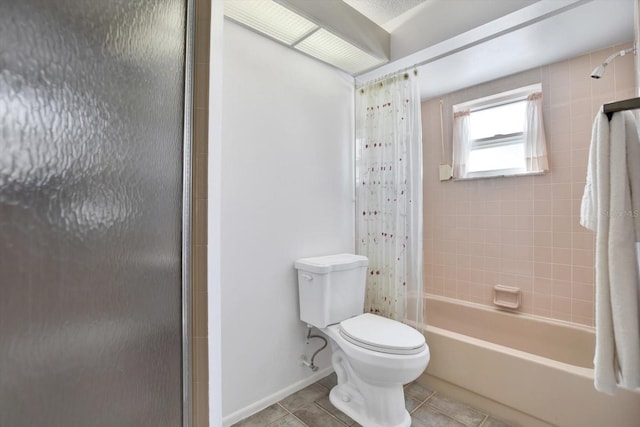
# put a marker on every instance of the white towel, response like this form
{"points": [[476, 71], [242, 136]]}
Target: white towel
{"points": [[611, 208]]}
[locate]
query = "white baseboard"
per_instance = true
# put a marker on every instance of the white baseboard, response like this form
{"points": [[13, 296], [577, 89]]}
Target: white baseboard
{"points": [[261, 404]]}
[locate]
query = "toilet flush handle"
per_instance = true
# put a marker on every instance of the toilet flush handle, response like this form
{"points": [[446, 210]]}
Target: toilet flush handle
{"points": [[308, 277]]}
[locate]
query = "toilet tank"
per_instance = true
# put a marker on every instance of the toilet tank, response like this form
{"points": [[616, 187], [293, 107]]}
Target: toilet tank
{"points": [[331, 288]]}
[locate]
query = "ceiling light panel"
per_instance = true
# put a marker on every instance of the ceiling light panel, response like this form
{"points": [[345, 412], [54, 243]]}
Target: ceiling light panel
{"points": [[329, 48], [269, 18]]}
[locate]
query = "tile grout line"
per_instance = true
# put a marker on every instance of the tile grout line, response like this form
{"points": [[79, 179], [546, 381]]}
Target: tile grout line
{"points": [[339, 420], [302, 422], [479, 425], [447, 413], [423, 402], [288, 413], [331, 415]]}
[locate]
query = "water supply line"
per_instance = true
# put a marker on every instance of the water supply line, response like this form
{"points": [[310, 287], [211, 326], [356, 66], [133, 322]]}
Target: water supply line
{"points": [[310, 363]]}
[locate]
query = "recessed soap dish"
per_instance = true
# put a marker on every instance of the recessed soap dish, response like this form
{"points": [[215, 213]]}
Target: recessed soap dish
{"points": [[506, 297]]}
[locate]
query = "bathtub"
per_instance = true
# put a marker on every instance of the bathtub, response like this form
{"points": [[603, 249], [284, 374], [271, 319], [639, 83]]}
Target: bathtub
{"points": [[527, 370]]}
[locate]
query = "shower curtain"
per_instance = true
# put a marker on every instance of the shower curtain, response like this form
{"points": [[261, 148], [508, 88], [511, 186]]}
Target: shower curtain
{"points": [[389, 195]]}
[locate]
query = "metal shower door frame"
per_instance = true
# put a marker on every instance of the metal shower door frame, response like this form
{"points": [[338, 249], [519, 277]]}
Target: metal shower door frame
{"points": [[189, 61]]}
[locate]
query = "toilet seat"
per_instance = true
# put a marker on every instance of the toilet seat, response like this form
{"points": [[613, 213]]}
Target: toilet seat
{"points": [[383, 335]]}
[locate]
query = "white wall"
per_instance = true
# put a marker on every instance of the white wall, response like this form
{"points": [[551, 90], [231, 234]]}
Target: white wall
{"points": [[287, 180]]}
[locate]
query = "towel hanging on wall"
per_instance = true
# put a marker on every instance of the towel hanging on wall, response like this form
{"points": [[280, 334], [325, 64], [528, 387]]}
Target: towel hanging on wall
{"points": [[611, 208]]}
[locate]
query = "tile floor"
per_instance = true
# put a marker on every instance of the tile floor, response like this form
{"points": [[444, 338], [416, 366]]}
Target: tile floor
{"points": [[310, 407]]}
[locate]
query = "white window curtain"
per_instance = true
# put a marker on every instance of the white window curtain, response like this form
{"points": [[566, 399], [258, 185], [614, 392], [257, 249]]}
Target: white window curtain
{"points": [[535, 144], [461, 143], [389, 196]]}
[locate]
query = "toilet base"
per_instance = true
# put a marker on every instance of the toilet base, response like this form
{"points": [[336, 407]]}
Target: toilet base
{"points": [[370, 385], [346, 398]]}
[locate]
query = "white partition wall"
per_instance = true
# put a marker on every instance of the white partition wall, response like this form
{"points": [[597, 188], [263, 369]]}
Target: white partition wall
{"points": [[286, 193]]}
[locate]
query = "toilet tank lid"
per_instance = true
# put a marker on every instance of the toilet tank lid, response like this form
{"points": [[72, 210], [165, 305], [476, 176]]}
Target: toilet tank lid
{"points": [[328, 263]]}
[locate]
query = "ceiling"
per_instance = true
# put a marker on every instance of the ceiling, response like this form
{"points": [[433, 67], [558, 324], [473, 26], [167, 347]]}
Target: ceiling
{"points": [[382, 12], [461, 43]]}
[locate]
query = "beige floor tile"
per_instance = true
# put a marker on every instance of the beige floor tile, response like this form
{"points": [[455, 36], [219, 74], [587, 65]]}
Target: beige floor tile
{"points": [[264, 417], [311, 407], [425, 416], [326, 404], [417, 392], [329, 381], [313, 416], [410, 403], [303, 397], [457, 410], [288, 421], [493, 422]]}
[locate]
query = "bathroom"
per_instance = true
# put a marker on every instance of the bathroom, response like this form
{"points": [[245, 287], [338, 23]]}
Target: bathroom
{"points": [[273, 182], [285, 219]]}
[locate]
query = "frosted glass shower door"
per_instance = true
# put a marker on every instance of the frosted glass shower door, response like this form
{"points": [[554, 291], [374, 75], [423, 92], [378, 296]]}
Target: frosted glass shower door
{"points": [[91, 151]]}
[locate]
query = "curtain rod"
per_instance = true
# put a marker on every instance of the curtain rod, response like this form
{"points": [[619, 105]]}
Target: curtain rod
{"points": [[388, 76], [524, 24]]}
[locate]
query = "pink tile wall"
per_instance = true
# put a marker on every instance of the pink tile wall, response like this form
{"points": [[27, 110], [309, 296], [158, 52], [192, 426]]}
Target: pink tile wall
{"points": [[522, 231]]}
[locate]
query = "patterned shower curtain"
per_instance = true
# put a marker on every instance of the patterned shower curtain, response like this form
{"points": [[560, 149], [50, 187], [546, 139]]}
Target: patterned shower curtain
{"points": [[389, 195]]}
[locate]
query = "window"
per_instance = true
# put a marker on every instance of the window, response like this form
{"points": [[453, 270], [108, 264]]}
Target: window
{"points": [[496, 135], [493, 135]]}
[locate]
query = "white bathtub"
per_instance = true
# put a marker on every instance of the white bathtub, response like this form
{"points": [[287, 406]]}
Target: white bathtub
{"points": [[524, 369]]}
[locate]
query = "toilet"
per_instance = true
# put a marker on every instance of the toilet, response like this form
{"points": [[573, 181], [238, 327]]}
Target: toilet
{"points": [[373, 356]]}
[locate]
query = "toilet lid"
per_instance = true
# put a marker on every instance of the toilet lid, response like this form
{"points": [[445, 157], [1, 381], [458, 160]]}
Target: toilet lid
{"points": [[381, 334]]}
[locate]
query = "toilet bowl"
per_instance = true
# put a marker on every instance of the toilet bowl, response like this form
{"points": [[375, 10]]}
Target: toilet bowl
{"points": [[373, 356], [371, 373]]}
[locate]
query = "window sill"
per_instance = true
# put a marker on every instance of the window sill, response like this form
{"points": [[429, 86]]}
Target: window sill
{"points": [[506, 175]]}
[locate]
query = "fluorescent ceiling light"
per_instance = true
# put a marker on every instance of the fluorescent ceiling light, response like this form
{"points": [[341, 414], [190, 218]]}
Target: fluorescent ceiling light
{"points": [[269, 18], [288, 27], [330, 48]]}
